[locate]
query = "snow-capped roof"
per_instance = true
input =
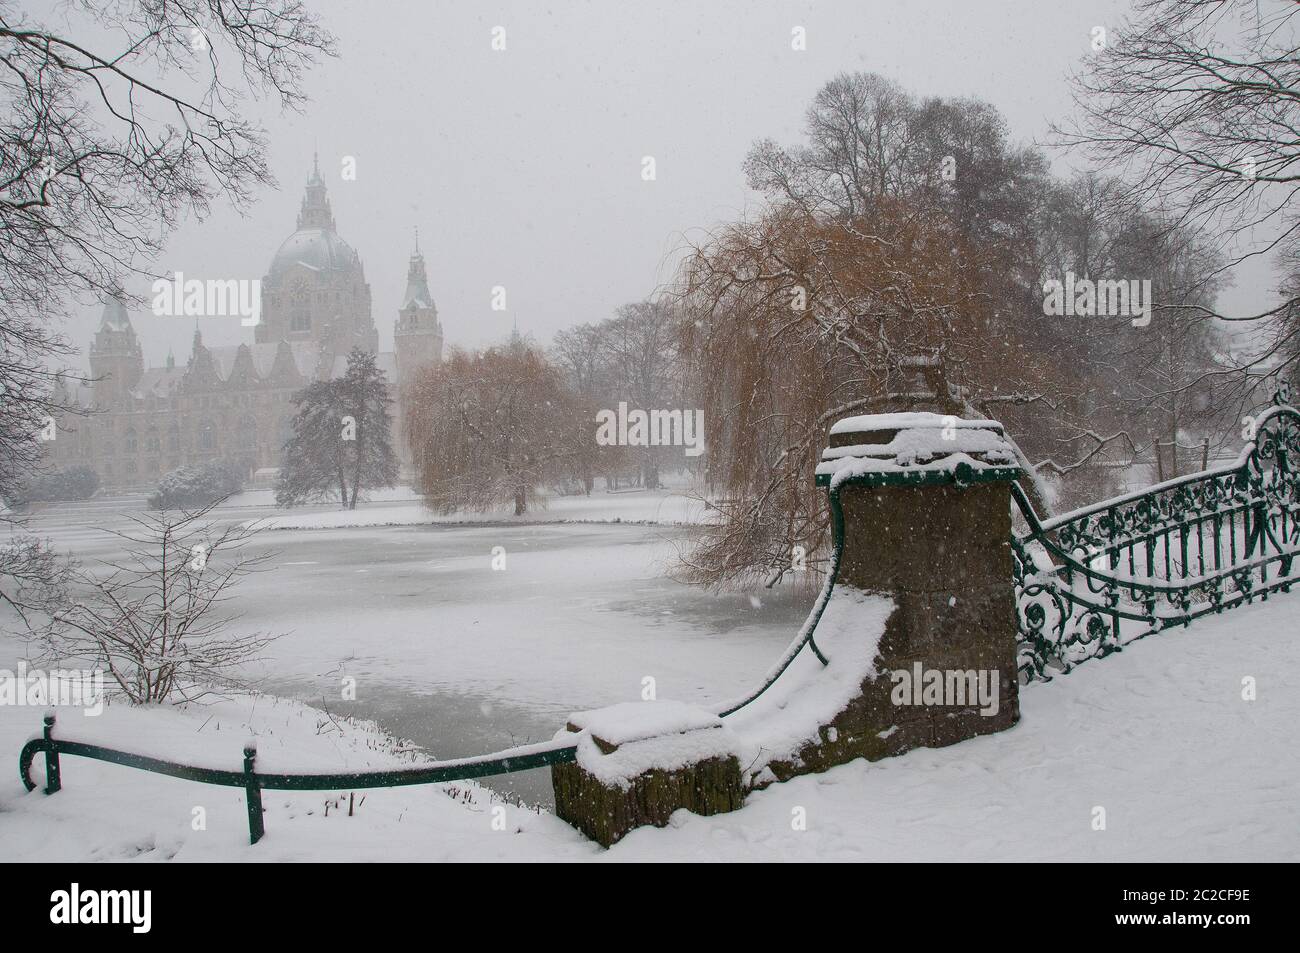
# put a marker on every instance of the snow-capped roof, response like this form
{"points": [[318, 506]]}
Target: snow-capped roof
{"points": [[417, 285], [159, 381], [318, 249], [114, 316]]}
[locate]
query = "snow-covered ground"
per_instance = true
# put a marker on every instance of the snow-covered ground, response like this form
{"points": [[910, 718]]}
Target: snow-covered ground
{"points": [[625, 507], [401, 506], [465, 658], [1159, 736]]}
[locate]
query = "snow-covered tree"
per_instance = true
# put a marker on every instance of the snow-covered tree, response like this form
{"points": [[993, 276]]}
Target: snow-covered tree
{"points": [[900, 259], [194, 487], [1196, 100], [496, 427], [157, 619], [342, 438], [630, 358], [108, 139]]}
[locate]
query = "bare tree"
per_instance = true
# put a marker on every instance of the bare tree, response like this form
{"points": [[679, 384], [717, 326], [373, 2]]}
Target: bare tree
{"points": [[581, 354], [641, 368], [899, 265], [495, 428], [35, 580], [793, 320], [1149, 389], [105, 145], [1197, 103], [158, 620], [103, 151]]}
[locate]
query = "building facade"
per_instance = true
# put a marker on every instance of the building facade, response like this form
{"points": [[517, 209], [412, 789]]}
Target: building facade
{"points": [[233, 404]]}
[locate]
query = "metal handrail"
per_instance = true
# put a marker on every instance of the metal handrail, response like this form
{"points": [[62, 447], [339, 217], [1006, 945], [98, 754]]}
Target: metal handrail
{"points": [[1243, 458], [522, 758], [1233, 522]]}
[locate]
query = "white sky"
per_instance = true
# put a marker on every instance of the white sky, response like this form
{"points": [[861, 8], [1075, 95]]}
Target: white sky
{"points": [[522, 168]]}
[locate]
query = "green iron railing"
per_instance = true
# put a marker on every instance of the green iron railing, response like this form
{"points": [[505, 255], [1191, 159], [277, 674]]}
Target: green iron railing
{"points": [[1091, 581], [254, 782]]}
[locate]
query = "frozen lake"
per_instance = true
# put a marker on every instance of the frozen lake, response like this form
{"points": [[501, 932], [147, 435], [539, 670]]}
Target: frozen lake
{"points": [[462, 659]]}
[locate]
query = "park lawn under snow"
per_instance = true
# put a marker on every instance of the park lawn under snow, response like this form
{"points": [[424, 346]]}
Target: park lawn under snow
{"points": [[657, 507], [1158, 735]]}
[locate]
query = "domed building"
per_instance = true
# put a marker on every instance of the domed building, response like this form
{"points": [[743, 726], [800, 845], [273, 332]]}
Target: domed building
{"points": [[316, 287], [233, 404]]}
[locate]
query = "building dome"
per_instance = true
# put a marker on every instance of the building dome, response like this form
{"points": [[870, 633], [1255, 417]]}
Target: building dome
{"points": [[320, 249], [315, 244], [315, 288]]}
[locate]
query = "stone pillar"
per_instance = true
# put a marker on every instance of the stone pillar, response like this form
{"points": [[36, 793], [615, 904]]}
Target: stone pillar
{"points": [[925, 504], [638, 762], [927, 522]]}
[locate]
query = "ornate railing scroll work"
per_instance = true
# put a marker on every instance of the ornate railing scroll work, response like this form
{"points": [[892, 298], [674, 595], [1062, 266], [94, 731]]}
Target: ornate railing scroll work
{"points": [[1091, 581]]}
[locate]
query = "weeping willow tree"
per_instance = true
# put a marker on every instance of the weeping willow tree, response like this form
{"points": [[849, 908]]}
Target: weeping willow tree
{"points": [[495, 428], [897, 264], [795, 320]]}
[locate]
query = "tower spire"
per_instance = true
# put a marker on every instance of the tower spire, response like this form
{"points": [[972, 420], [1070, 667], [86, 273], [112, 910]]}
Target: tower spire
{"points": [[315, 210], [116, 358], [417, 335], [417, 281], [114, 316]]}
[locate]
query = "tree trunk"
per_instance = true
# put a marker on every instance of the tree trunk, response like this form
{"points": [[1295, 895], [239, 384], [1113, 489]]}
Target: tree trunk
{"points": [[521, 500], [356, 471]]}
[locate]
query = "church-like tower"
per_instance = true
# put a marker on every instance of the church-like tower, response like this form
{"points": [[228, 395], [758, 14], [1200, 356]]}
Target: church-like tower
{"points": [[417, 334], [116, 359], [232, 403], [316, 288]]}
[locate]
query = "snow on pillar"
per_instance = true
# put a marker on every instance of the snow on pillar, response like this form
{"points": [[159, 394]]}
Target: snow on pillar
{"points": [[638, 762], [926, 508], [918, 636]]}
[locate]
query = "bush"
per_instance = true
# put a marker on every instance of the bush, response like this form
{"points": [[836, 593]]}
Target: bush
{"points": [[73, 483], [188, 487]]}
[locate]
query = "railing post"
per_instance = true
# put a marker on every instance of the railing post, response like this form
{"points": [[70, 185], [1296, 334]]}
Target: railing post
{"points": [[253, 794], [53, 782]]}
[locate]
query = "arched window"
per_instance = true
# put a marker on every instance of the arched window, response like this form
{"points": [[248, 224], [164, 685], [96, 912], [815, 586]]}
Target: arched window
{"points": [[301, 320], [174, 437], [132, 444], [151, 442], [207, 436]]}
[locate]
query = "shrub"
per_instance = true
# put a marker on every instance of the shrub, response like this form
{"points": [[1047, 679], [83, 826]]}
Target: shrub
{"points": [[72, 483], [188, 487]]}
